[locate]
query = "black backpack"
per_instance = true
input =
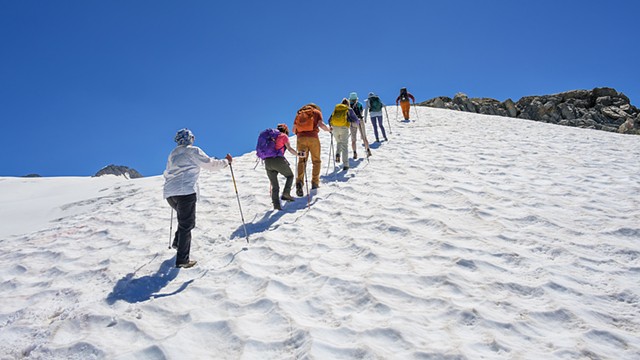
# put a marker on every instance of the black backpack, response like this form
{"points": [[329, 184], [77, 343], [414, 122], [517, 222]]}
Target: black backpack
{"points": [[403, 94], [357, 108]]}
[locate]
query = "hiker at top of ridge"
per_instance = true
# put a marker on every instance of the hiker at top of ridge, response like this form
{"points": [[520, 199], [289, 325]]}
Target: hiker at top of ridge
{"points": [[271, 146], [181, 188], [340, 121], [358, 126], [405, 105], [306, 124], [374, 106]]}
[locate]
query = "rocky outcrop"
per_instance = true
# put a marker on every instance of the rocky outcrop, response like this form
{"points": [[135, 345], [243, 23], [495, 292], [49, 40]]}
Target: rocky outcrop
{"points": [[600, 108], [119, 170]]}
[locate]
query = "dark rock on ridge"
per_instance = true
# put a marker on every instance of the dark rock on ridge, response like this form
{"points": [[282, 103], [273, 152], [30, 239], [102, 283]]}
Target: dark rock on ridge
{"points": [[600, 108], [119, 170]]}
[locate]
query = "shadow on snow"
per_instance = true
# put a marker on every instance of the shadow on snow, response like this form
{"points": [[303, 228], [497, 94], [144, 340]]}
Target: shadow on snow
{"points": [[133, 290], [271, 217]]}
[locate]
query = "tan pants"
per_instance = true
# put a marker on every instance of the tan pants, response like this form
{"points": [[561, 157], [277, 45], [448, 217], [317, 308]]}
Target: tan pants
{"points": [[355, 128], [309, 145], [341, 134], [405, 105]]}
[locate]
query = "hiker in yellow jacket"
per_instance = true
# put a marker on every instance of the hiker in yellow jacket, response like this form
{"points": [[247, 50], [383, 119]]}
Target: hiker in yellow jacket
{"points": [[340, 121]]}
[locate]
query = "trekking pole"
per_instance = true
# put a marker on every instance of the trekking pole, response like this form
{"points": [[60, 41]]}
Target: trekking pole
{"points": [[388, 122], [396, 112], [239, 206], [334, 152], [364, 139], [171, 230], [416, 110], [297, 153], [306, 181], [330, 153]]}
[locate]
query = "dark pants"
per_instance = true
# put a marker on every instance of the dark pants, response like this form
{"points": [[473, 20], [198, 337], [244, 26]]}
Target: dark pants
{"points": [[375, 121], [275, 166], [185, 207]]}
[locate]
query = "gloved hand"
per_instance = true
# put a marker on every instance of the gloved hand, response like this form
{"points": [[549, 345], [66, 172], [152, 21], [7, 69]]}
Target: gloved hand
{"points": [[229, 158]]}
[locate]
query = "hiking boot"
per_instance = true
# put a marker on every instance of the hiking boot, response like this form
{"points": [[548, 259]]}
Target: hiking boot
{"points": [[277, 207], [355, 155], [287, 197], [377, 140], [345, 168], [385, 139], [338, 158], [314, 186], [368, 152], [299, 189], [186, 265]]}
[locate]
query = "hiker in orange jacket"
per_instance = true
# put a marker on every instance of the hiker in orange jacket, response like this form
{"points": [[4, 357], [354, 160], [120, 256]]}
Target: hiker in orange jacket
{"points": [[305, 126], [405, 105]]}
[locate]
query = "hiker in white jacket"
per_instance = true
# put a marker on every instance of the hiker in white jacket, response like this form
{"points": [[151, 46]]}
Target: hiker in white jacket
{"points": [[181, 189]]}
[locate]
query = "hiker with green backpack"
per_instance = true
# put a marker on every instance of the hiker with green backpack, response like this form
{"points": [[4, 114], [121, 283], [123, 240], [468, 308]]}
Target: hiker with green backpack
{"points": [[340, 121], [374, 106]]}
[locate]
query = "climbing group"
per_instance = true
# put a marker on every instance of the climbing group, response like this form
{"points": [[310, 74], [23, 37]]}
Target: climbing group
{"points": [[347, 120]]}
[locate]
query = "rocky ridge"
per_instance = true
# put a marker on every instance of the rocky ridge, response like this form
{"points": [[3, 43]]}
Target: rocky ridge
{"points": [[119, 170], [601, 108]]}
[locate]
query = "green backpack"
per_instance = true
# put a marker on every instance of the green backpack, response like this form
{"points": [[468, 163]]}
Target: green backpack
{"points": [[375, 105]]}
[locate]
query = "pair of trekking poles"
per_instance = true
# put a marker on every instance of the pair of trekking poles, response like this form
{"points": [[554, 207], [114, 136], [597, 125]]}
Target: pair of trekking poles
{"points": [[414, 109]]}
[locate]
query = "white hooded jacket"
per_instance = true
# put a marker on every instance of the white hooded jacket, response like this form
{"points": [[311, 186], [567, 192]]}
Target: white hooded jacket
{"points": [[183, 169]]}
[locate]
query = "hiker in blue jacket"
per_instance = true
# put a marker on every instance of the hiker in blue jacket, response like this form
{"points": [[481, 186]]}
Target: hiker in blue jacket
{"points": [[357, 126]]}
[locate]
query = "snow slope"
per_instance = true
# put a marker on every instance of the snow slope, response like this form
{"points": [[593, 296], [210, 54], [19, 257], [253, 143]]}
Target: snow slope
{"points": [[465, 237]]}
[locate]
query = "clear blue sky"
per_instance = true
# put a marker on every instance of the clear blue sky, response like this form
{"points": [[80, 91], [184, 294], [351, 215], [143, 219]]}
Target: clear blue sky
{"points": [[87, 83]]}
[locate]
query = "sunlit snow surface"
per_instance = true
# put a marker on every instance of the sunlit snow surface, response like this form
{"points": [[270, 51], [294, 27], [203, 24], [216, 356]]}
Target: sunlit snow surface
{"points": [[464, 237]]}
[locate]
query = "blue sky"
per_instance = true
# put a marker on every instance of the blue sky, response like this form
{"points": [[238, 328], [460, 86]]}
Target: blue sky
{"points": [[84, 84]]}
